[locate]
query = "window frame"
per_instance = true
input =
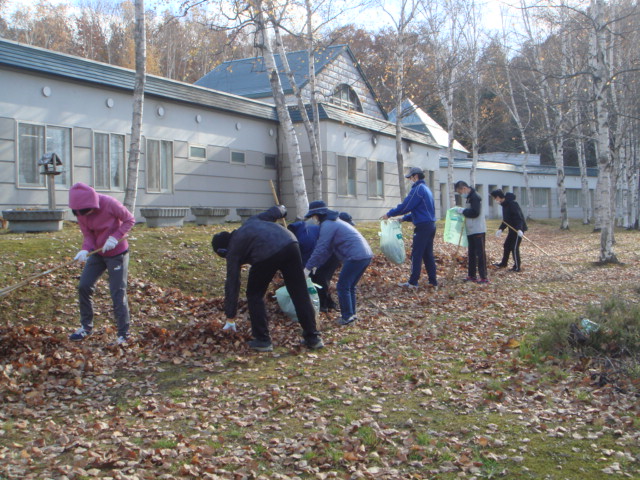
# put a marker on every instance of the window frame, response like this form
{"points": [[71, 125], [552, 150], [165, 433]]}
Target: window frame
{"points": [[352, 100], [275, 161], [66, 156], [169, 174], [375, 190], [194, 158], [110, 187], [344, 179], [237, 152]]}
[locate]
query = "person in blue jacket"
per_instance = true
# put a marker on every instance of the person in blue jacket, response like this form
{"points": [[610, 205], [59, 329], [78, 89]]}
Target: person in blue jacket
{"points": [[419, 208], [342, 239]]}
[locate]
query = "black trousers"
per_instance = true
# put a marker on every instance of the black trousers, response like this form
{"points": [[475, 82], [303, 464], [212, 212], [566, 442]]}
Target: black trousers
{"points": [[323, 277], [289, 263], [511, 246], [477, 258]]}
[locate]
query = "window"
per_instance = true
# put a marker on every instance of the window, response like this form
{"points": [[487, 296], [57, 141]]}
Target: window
{"points": [[33, 142], [376, 179], [346, 97], [159, 166], [574, 197], [270, 161], [237, 157], [346, 176], [540, 197], [108, 161], [197, 153]]}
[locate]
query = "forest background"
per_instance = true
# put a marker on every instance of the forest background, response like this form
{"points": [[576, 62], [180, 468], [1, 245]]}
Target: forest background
{"points": [[497, 59]]}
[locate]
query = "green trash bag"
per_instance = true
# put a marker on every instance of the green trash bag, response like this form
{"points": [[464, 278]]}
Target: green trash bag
{"points": [[286, 305], [454, 228], [391, 242]]}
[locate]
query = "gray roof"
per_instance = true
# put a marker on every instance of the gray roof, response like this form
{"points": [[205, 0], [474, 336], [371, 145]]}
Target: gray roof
{"points": [[509, 167], [27, 57], [248, 76]]}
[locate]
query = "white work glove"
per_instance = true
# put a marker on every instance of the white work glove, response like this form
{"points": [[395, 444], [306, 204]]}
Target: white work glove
{"points": [[306, 273], [498, 233], [110, 244], [82, 256], [520, 233], [230, 325], [459, 210]]}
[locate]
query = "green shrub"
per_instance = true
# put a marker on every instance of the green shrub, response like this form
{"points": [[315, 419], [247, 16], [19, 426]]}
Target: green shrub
{"points": [[616, 336]]}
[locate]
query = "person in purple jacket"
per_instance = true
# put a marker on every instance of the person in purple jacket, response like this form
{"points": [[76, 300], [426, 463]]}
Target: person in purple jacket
{"points": [[342, 239], [104, 222]]}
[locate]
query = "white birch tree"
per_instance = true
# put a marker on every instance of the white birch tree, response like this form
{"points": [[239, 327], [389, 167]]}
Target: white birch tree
{"points": [[260, 15], [401, 47], [131, 190]]}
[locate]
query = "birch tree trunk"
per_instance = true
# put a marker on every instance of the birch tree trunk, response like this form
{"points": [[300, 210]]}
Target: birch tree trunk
{"points": [[407, 15], [315, 157], [131, 190], [316, 149], [399, 95], [509, 100], [599, 76], [289, 132]]}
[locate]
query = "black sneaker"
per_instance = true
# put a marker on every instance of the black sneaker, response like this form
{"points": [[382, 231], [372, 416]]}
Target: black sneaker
{"points": [[316, 344], [499, 265], [79, 334], [515, 269], [261, 345]]}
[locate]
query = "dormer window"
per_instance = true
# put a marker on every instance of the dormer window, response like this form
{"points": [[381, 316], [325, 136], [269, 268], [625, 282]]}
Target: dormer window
{"points": [[346, 97]]}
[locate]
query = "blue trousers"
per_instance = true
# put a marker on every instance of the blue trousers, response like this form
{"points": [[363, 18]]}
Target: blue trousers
{"points": [[349, 277], [422, 251], [118, 268]]}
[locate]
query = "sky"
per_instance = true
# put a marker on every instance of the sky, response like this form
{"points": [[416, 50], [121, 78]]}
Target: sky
{"points": [[491, 10]]}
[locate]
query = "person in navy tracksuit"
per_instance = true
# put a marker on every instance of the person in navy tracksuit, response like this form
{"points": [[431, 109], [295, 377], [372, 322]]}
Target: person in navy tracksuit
{"points": [[268, 247], [513, 219], [419, 208]]}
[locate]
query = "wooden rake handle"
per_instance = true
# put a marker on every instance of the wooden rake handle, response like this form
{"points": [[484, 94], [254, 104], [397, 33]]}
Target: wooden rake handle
{"points": [[22, 283]]}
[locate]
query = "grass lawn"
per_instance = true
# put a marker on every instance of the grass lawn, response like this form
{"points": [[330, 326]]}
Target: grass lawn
{"points": [[443, 384]]}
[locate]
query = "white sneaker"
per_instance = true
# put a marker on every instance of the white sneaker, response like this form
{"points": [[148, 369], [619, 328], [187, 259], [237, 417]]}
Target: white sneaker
{"points": [[407, 284], [121, 341]]}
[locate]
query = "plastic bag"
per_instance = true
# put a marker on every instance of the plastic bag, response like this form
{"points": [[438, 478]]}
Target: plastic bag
{"points": [[286, 305], [454, 228], [391, 242]]}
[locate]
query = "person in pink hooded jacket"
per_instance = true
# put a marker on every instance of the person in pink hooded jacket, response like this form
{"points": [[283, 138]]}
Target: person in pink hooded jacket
{"points": [[104, 222]]}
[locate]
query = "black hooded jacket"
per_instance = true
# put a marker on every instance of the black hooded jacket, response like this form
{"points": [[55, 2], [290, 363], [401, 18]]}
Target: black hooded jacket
{"points": [[258, 239], [512, 214]]}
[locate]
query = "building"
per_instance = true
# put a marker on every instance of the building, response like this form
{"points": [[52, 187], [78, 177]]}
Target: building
{"points": [[201, 146], [505, 171]]}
